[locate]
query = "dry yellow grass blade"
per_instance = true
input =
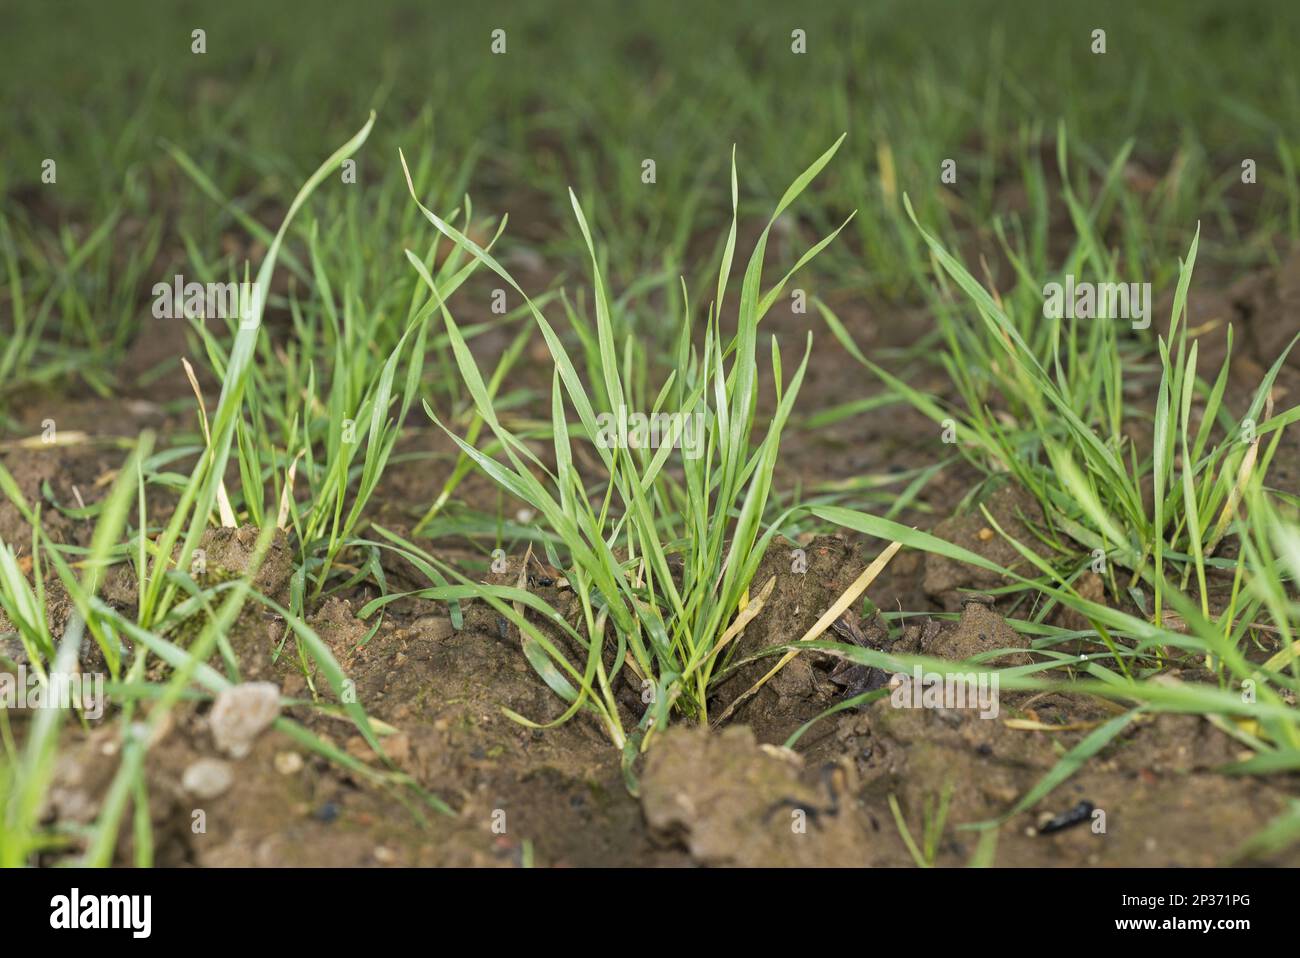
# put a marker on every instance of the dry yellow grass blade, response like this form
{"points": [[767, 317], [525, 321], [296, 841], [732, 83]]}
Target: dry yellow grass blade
{"points": [[1243, 477], [849, 596], [62, 437], [223, 499], [1032, 725], [751, 609], [198, 394], [286, 495], [888, 178]]}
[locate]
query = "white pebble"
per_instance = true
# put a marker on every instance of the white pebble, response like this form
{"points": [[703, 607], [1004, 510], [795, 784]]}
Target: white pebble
{"points": [[241, 713], [207, 778]]}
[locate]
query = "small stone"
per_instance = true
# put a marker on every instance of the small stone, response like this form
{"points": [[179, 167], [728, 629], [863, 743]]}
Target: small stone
{"points": [[207, 778], [985, 534], [385, 856], [288, 763], [241, 713]]}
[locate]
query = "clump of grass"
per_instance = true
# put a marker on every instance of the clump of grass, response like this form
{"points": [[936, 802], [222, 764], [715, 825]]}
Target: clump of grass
{"points": [[170, 603], [1043, 406], [660, 555], [323, 407], [1050, 413], [1204, 494]]}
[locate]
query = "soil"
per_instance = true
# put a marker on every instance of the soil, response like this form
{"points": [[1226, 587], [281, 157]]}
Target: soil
{"points": [[724, 796]]}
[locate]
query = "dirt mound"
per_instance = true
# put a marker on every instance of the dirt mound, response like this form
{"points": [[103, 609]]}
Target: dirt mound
{"points": [[730, 801], [808, 581]]}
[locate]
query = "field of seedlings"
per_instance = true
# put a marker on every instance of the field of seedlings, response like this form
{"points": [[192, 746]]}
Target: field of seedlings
{"points": [[559, 434]]}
